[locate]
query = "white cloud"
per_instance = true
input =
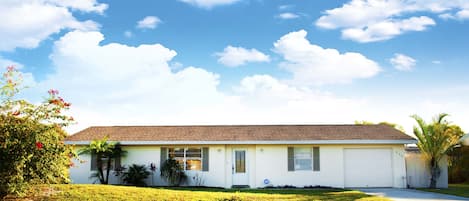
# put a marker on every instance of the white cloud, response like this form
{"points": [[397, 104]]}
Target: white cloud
{"points": [[117, 84], [7, 62], [24, 24], [287, 16], [446, 16], [120, 84], [387, 29], [176, 65], [376, 20], [82, 5], [463, 14], [436, 62], [285, 7], [403, 62], [208, 4], [237, 56], [149, 22], [314, 65], [128, 34], [270, 100]]}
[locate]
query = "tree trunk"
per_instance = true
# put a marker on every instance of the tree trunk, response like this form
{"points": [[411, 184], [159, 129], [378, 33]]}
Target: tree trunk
{"points": [[99, 164], [433, 178], [435, 173], [101, 175], [108, 169]]}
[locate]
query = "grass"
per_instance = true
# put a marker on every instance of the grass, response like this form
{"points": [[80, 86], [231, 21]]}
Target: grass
{"points": [[108, 192], [453, 189]]}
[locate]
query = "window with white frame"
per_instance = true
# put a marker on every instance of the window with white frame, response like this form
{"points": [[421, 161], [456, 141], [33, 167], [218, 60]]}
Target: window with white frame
{"points": [[303, 158], [189, 158]]}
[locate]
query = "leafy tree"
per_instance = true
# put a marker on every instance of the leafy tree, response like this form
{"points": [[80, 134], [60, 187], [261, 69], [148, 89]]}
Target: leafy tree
{"points": [[458, 170], [31, 138], [394, 125], [363, 122], [103, 149], [136, 175], [435, 140]]}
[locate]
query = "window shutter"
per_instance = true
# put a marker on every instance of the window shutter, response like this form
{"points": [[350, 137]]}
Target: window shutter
{"points": [[316, 159], [291, 159], [163, 155], [94, 159], [205, 159]]}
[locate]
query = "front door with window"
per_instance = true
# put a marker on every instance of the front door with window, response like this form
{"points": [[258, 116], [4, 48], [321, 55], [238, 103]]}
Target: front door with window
{"points": [[240, 167]]}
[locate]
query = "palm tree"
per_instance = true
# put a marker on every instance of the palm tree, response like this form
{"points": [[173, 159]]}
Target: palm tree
{"points": [[103, 149], [435, 140]]}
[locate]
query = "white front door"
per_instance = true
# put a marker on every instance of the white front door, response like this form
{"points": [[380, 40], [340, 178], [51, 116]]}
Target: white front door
{"points": [[240, 167]]}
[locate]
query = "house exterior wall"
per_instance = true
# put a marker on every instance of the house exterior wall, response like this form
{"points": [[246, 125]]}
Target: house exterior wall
{"points": [[263, 162], [418, 173], [272, 165], [80, 171], [145, 155]]}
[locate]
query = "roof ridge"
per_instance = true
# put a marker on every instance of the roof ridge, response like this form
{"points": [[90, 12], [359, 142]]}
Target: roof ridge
{"points": [[222, 125], [241, 132]]}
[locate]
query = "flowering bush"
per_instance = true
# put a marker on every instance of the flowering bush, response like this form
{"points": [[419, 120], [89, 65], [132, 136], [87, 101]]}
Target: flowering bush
{"points": [[31, 138]]}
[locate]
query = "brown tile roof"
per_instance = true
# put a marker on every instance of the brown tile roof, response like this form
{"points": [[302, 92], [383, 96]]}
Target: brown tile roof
{"points": [[241, 133]]}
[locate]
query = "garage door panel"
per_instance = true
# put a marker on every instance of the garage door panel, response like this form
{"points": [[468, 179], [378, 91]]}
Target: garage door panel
{"points": [[368, 167]]}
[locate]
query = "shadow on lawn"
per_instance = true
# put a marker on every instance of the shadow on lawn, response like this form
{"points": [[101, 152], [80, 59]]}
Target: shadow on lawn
{"points": [[77, 192], [257, 190], [320, 191]]}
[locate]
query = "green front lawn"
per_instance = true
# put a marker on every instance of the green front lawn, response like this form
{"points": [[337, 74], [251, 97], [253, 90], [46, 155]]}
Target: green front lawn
{"points": [[453, 189], [109, 192]]}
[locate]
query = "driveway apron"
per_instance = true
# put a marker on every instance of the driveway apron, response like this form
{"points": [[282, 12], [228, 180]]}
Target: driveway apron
{"points": [[410, 194]]}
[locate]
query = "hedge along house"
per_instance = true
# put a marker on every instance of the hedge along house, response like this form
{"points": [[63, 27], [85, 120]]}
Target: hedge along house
{"points": [[259, 155]]}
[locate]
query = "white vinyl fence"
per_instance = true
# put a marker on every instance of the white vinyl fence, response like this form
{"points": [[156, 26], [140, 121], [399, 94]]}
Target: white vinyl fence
{"points": [[418, 174]]}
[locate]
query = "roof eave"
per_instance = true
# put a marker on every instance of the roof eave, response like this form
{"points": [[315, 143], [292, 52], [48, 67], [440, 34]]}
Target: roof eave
{"points": [[265, 142]]}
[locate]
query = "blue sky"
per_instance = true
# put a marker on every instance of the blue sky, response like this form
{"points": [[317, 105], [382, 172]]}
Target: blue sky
{"points": [[243, 61]]}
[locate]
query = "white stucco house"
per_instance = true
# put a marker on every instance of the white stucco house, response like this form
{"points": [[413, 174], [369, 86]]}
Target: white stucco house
{"points": [[260, 155]]}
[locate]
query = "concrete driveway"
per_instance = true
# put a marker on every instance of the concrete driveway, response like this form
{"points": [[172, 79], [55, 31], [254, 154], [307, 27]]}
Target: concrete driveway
{"points": [[409, 194]]}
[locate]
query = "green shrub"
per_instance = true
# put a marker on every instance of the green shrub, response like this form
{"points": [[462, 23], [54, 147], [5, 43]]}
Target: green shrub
{"points": [[136, 175], [458, 170], [31, 139], [173, 172]]}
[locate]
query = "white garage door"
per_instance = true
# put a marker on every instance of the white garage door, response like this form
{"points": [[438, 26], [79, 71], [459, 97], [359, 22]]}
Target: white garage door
{"points": [[368, 167]]}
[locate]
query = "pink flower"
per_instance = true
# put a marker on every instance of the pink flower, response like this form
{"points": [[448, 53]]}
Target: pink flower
{"points": [[53, 92], [39, 145], [10, 68], [16, 113]]}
